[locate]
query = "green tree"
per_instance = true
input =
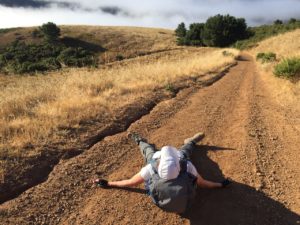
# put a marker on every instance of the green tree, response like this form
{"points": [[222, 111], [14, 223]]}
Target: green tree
{"points": [[278, 22], [180, 30], [51, 31], [292, 20], [223, 30], [193, 35]]}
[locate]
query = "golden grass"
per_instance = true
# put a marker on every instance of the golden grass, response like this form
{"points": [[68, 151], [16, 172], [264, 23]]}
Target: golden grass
{"points": [[285, 45], [126, 41], [35, 109]]}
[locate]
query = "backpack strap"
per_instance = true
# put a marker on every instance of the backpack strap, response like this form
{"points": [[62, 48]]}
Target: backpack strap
{"points": [[183, 165], [154, 164]]}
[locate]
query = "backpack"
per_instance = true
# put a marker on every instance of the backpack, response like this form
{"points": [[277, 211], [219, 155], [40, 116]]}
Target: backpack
{"points": [[174, 195]]}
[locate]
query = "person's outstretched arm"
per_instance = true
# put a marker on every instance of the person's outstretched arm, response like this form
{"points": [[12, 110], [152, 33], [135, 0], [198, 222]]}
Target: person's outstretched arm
{"points": [[207, 184], [133, 181]]}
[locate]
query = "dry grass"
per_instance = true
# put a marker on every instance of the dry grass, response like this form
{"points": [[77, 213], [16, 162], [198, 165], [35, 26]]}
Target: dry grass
{"points": [[285, 45], [126, 41], [35, 109]]}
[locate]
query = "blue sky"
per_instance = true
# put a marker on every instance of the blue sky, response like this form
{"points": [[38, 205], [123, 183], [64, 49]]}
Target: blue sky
{"points": [[151, 13]]}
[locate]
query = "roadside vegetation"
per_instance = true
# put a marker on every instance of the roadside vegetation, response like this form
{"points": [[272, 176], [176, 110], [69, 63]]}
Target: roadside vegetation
{"points": [[281, 55], [260, 33], [266, 57], [288, 68]]}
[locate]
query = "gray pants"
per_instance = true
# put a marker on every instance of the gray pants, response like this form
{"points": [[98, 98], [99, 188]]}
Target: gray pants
{"points": [[148, 150]]}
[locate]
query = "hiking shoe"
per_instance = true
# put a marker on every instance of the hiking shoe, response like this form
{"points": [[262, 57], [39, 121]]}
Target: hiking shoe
{"points": [[196, 138], [136, 137]]}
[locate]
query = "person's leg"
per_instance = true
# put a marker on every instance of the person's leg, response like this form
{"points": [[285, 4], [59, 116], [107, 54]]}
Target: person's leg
{"points": [[147, 151], [187, 149], [189, 145]]}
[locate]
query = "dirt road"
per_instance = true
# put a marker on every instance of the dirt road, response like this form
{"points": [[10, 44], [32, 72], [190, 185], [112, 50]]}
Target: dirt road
{"points": [[249, 138]]}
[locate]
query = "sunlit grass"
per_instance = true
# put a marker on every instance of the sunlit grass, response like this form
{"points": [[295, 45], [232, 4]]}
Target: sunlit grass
{"points": [[34, 109]]}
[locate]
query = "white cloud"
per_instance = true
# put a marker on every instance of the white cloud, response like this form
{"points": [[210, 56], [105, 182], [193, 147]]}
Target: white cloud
{"points": [[154, 13]]}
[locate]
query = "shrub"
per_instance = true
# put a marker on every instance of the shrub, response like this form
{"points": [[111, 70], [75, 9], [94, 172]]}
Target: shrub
{"points": [[226, 53], [119, 57], [21, 58], [266, 57], [36, 33], [77, 57], [169, 87], [289, 68], [292, 20]]}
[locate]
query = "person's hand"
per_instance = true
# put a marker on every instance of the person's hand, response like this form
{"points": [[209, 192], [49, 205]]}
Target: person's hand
{"points": [[225, 183], [101, 183]]}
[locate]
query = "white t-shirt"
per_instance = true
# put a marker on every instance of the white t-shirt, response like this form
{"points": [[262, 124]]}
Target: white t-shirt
{"points": [[147, 171]]}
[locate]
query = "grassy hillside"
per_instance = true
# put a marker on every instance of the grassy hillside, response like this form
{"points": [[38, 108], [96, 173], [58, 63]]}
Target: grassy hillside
{"points": [[260, 33], [111, 43], [284, 45]]}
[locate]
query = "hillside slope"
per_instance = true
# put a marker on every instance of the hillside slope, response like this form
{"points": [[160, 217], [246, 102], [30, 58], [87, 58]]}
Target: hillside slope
{"points": [[110, 41], [284, 46]]}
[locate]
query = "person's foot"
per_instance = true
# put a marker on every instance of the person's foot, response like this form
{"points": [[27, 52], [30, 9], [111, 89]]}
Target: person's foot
{"points": [[135, 137], [195, 139]]}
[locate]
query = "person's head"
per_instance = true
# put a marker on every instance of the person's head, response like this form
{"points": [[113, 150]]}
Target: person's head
{"points": [[169, 166]]}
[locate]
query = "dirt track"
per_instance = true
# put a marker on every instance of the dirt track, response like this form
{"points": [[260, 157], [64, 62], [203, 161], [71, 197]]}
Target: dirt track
{"points": [[249, 138]]}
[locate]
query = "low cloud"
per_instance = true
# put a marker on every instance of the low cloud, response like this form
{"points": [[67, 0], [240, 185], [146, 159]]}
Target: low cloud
{"points": [[155, 13], [24, 3]]}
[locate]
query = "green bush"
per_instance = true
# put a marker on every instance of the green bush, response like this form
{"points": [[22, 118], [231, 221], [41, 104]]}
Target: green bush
{"points": [[21, 58], [289, 68], [266, 57], [77, 57], [119, 57], [226, 53], [169, 87]]}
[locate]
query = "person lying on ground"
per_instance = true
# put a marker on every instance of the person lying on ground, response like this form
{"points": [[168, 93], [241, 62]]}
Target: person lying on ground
{"points": [[170, 177]]}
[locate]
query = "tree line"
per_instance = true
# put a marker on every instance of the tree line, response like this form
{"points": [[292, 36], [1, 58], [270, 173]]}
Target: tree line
{"points": [[223, 30]]}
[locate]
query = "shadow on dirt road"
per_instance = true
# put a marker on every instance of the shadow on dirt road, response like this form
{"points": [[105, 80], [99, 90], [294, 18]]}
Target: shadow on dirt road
{"points": [[238, 204]]}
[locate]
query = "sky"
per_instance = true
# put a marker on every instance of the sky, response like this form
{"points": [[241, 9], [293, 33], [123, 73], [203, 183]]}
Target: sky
{"points": [[150, 13]]}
